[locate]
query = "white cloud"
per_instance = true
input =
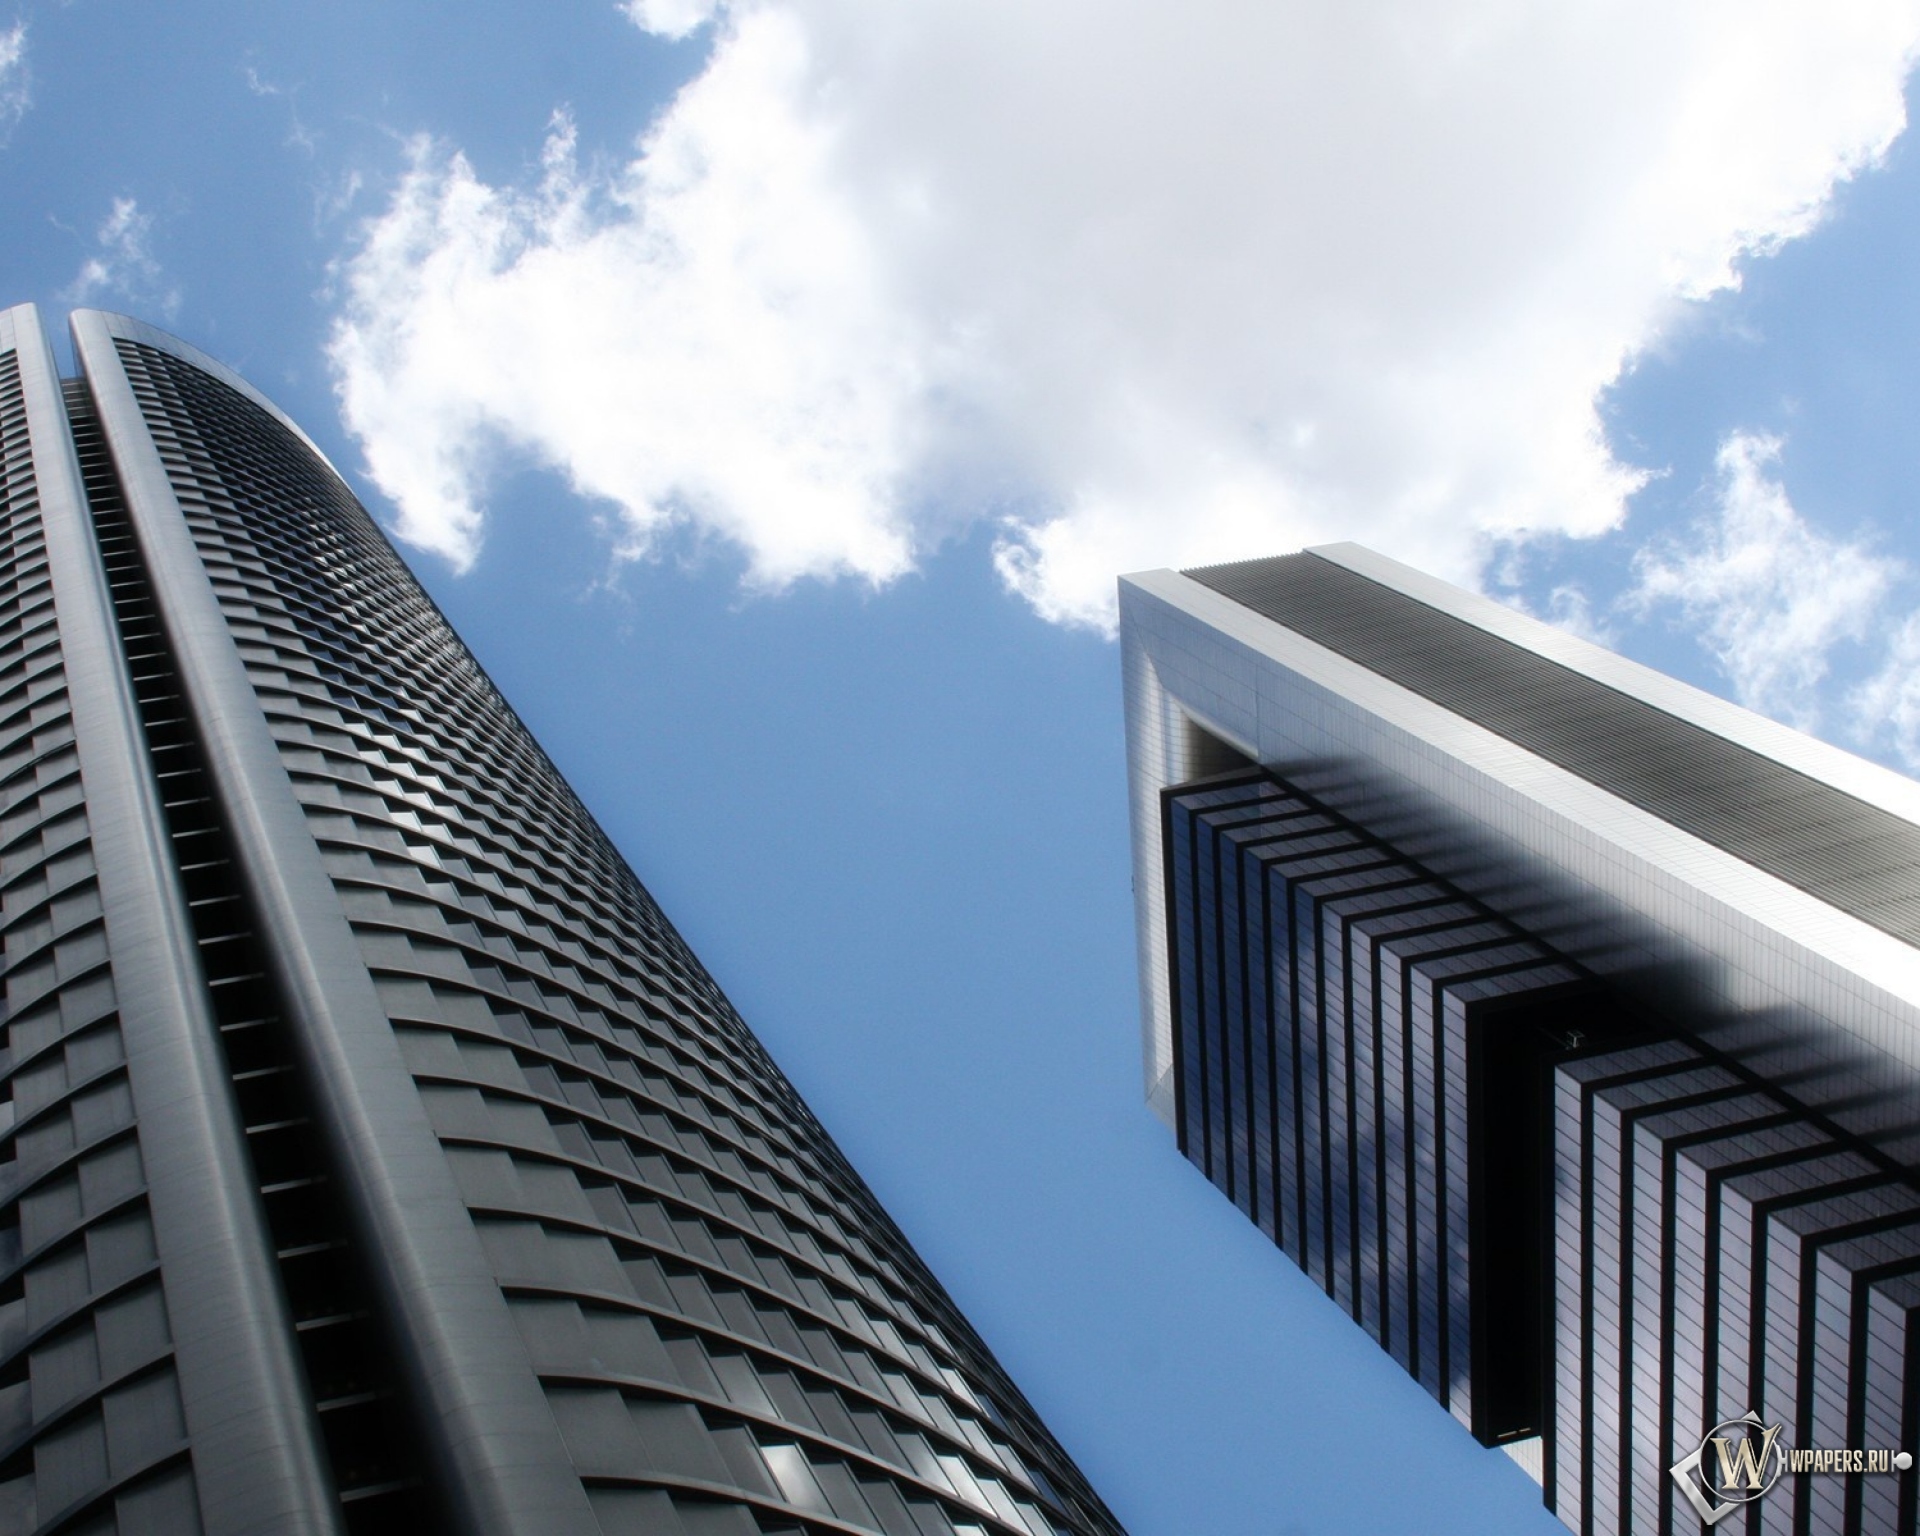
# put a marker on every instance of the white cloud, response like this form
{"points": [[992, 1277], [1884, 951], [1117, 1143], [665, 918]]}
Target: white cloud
{"points": [[1150, 286], [1885, 707], [725, 356], [1570, 608], [123, 265], [1770, 596], [16, 93], [671, 18]]}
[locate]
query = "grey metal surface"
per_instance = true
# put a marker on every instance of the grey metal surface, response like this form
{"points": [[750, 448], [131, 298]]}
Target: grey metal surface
{"points": [[83, 1314], [256, 1453], [91, 1424], [1158, 742], [502, 1465], [1852, 854]]}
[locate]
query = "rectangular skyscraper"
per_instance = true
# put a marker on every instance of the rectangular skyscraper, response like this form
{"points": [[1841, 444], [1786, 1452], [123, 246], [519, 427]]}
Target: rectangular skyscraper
{"points": [[1561, 1021], [374, 1156]]}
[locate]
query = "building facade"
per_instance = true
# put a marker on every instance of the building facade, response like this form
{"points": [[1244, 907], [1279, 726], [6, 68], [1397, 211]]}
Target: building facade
{"points": [[374, 1156], [1561, 1021]]}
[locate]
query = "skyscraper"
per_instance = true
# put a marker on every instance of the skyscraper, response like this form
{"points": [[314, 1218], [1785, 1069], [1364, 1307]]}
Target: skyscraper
{"points": [[1561, 1021], [374, 1156]]}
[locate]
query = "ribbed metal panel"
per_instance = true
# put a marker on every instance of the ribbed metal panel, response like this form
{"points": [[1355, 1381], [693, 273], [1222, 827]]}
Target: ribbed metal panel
{"points": [[307, 1283], [1719, 1246], [1335, 1009], [1363, 1057], [1855, 856], [148, 1381], [494, 1450], [91, 1423]]}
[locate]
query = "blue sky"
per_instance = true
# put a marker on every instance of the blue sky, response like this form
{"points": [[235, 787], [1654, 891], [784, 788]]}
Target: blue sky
{"points": [[770, 392]]}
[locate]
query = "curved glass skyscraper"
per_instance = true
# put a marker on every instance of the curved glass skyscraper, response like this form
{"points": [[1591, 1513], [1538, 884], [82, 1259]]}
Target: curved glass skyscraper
{"points": [[373, 1153]]}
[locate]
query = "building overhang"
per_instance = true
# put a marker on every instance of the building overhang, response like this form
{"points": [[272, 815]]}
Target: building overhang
{"points": [[1768, 970]]}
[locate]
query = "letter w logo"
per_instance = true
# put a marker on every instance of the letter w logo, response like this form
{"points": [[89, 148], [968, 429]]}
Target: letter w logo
{"points": [[1749, 1464], [1745, 1462]]}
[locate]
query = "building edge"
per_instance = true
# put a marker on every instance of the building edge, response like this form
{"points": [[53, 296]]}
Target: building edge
{"points": [[259, 1460], [499, 1459]]}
